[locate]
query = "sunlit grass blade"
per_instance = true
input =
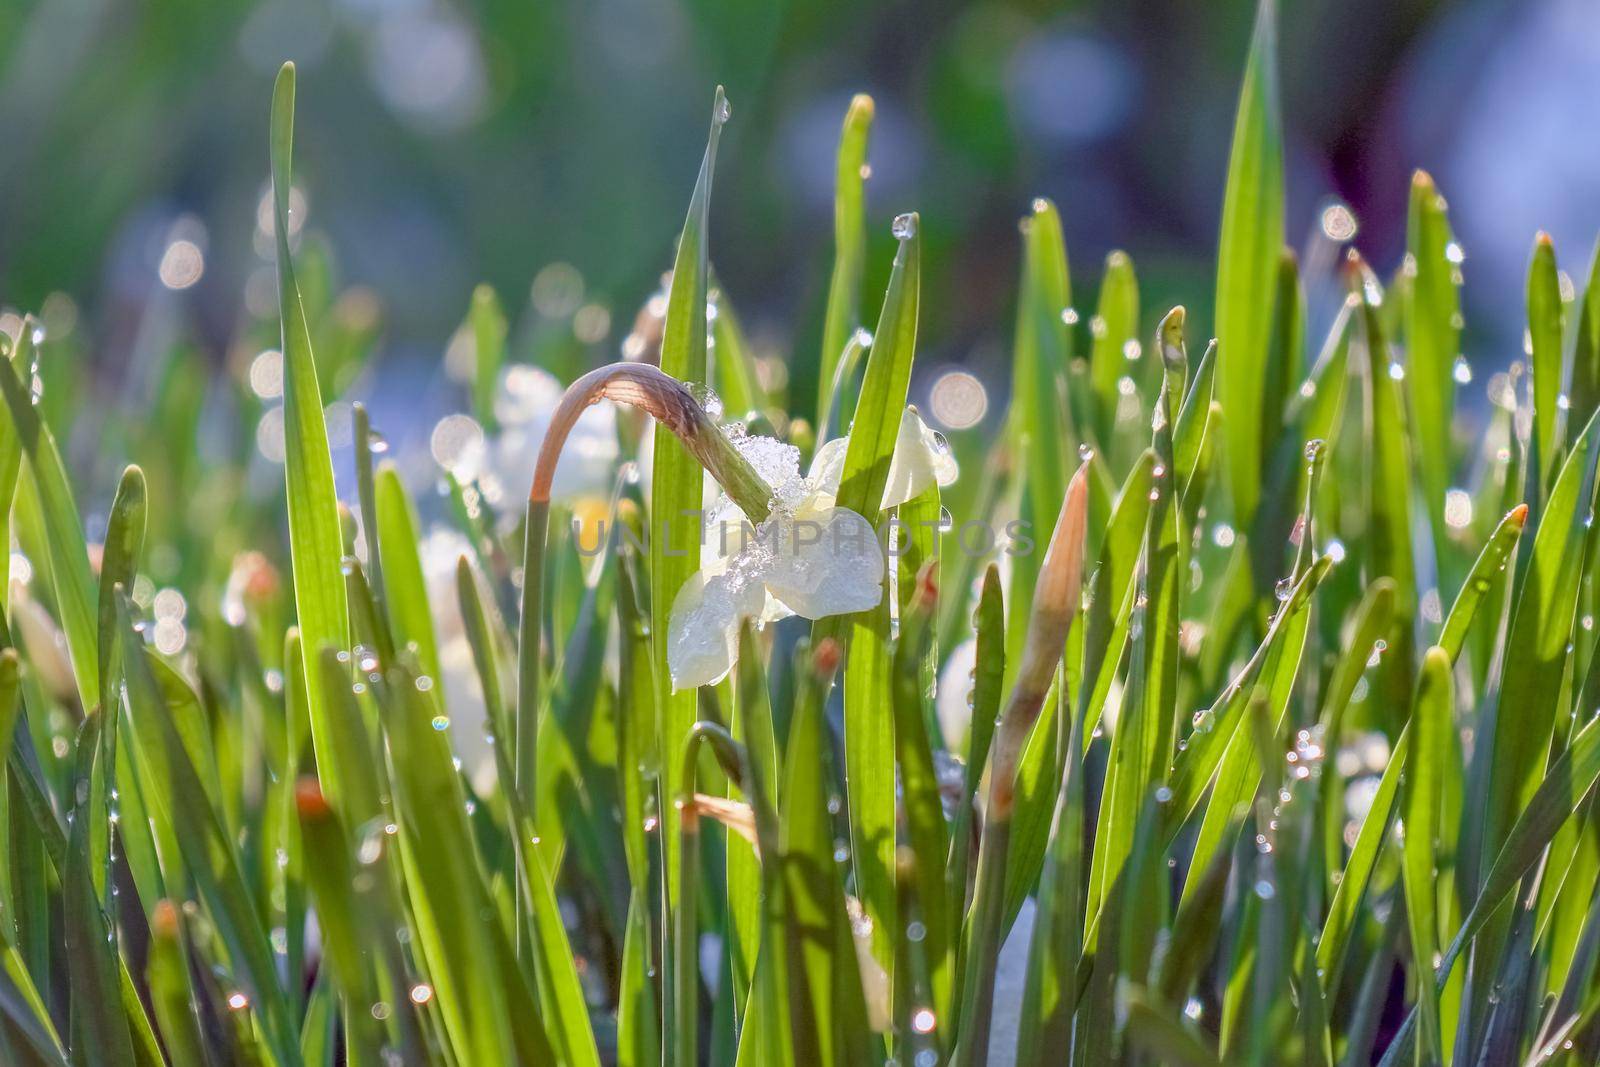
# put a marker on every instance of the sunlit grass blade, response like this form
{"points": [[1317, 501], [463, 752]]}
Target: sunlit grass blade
{"points": [[1541, 629], [1163, 1036], [843, 313], [119, 562], [316, 546], [487, 321], [1585, 388], [766, 1019], [1215, 727], [1559, 793], [99, 1031], [827, 1012], [988, 677], [675, 495], [486, 1017], [405, 589], [1115, 328], [1051, 995], [1247, 260], [1432, 314], [1056, 603], [207, 854], [1545, 326], [66, 552], [1039, 416], [926, 831], [869, 733], [167, 974], [1430, 759], [1389, 533], [344, 934]]}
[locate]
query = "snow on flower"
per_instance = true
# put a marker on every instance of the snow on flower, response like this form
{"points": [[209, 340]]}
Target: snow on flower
{"points": [[809, 557]]}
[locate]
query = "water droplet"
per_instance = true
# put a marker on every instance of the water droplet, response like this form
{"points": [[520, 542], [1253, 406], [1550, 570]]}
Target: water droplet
{"points": [[1314, 448], [1462, 371], [724, 109], [424, 683], [1203, 720], [441, 722], [707, 399], [905, 227], [1085, 453], [1283, 589]]}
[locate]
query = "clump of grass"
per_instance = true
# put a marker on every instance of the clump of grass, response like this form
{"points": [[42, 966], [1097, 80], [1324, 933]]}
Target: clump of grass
{"points": [[1281, 745]]}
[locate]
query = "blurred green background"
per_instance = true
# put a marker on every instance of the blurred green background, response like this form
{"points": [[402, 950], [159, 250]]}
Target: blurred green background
{"points": [[443, 143]]}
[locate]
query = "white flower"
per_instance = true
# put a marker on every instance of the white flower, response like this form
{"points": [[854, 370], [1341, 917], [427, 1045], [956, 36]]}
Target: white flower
{"points": [[523, 405], [921, 459], [809, 558]]}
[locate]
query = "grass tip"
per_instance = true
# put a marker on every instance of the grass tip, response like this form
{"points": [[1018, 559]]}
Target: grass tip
{"points": [[164, 920], [825, 658], [309, 800]]}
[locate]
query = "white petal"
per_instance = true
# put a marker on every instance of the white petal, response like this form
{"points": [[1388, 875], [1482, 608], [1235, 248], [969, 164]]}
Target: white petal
{"points": [[702, 634], [827, 470], [703, 627], [921, 459], [825, 561]]}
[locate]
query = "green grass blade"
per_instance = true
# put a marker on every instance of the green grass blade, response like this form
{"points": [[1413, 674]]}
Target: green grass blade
{"points": [[1585, 388], [926, 831], [868, 732], [1161, 1035], [1545, 326], [458, 939], [315, 543], [65, 550], [1540, 631], [167, 975], [1430, 759], [827, 1012], [487, 320], [1038, 369], [1432, 313], [1390, 489], [1247, 260], [843, 313], [1215, 727], [208, 856], [1051, 993], [1115, 352], [1558, 795], [344, 932], [1490, 562], [406, 592], [676, 491], [99, 1029], [988, 677]]}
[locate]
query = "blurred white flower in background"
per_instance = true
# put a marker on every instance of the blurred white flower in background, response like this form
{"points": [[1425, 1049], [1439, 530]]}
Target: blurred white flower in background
{"points": [[502, 464]]}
